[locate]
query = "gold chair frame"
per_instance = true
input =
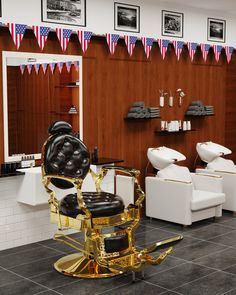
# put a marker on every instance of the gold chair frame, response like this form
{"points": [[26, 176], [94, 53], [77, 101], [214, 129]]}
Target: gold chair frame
{"points": [[91, 259]]}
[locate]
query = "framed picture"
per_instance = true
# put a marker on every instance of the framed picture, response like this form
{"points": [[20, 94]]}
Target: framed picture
{"points": [[0, 8], [172, 23], [68, 12], [127, 17], [216, 29]]}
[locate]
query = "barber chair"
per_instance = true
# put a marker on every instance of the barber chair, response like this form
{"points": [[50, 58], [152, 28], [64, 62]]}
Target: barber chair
{"points": [[212, 155], [108, 248], [176, 195]]}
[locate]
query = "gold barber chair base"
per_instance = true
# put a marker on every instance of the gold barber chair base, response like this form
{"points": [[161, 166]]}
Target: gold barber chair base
{"points": [[77, 265]]}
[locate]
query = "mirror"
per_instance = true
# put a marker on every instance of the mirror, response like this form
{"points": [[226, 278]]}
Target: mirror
{"points": [[38, 89]]}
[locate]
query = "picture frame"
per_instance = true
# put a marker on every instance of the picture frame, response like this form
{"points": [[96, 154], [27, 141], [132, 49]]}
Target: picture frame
{"points": [[126, 17], [0, 8], [172, 24], [67, 12], [216, 29]]}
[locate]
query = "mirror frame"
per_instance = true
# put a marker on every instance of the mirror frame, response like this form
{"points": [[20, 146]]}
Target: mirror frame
{"points": [[55, 57]]}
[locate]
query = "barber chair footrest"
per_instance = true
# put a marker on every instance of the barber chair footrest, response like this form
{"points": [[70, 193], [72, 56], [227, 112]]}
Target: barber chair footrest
{"points": [[77, 265]]}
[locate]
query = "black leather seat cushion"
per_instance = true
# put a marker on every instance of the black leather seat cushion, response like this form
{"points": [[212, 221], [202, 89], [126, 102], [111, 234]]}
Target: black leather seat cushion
{"points": [[100, 204]]}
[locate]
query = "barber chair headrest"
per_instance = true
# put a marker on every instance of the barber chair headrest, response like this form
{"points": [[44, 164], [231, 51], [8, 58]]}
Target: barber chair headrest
{"points": [[161, 157], [65, 155], [209, 151]]}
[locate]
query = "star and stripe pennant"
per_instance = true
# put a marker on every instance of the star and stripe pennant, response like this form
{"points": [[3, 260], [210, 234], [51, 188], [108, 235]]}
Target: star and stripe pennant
{"points": [[130, 42], [112, 40], [76, 65], [192, 47], [17, 31], [63, 36], [41, 34], [84, 39], [163, 44], [217, 51], [228, 51], [22, 69], [36, 68], [178, 46], [205, 50], [147, 44]]}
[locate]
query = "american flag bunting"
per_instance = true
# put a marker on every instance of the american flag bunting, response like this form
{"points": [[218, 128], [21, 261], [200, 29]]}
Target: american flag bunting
{"points": [[84, 39], [63, 36], [178, 45], [76, 64], [205, 49], [29, 68], [17, 31], [147, 44], [217, 51], [68, 66], [112, 40], [163, 44], [228, 51], [52, 66], [192, 47], [22, 69], [41, 34], [60, 66], [37, 67], [130, 42], [44, 67]]}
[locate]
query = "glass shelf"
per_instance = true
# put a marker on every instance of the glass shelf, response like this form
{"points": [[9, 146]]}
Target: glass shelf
{"points": [[173, 132]]}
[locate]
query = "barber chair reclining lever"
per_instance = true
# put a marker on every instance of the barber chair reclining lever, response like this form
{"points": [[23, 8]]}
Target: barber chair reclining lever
{"points": [[65, 165]]}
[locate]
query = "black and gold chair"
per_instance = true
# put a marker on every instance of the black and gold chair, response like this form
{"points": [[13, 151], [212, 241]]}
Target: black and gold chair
{"points": [[66, 163]]}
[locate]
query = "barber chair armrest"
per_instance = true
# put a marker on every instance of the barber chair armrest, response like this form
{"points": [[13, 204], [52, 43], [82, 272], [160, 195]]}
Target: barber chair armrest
{"points": [[208, 182]]}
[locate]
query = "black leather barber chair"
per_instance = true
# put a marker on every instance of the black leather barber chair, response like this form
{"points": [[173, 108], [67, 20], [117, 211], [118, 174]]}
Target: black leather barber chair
{"points": [[102, 253]]}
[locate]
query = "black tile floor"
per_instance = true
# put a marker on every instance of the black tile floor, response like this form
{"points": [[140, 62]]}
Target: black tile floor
{"points": [[203, 263]]}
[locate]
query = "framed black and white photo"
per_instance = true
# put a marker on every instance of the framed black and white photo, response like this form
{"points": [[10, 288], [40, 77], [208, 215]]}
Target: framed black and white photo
{"points": [[216, 29], [127, 17], [0, 8], [172, 23], [68, 12]]}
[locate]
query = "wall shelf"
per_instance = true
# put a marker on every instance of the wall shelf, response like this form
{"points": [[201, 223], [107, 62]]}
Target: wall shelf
{"points": [[140, 119], [165, 132], [199, 116], [67, 86]]}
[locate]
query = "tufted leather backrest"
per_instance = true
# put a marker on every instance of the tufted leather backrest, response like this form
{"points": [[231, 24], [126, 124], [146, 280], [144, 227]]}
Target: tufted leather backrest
{"points": [[65, 154]]}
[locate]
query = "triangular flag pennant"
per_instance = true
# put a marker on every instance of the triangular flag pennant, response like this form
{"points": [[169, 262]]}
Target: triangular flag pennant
{"points": [[52, 66], [192, 47], [37, 67], [112, 40], [178, 46], [147, 44], [41, 34], [17, 31], [76, 64], [217, 51], [130, 42], [29, 68], [228, 51], [163, 44], [205, 49], [68, 66], [44, 67], [22, 69], [60, 66], [84, 39], [63, 36]]}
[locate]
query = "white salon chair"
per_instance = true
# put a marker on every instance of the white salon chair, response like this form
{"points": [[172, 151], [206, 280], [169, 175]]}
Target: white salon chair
{"points": [[176, 195], [212, 154]]}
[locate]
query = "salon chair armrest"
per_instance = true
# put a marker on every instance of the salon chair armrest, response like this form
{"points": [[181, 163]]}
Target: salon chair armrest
{"points": [[208, 182]]}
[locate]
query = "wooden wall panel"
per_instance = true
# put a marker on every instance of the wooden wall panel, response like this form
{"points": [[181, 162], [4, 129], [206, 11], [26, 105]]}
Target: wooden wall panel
{"points": [[111, 83]]}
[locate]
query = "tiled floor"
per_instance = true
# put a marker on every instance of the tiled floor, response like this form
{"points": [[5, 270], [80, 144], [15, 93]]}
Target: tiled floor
{"points": [[204, 263]]}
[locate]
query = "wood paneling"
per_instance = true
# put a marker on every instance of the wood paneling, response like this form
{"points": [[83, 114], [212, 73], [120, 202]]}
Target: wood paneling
{"points": [[112, 83]]}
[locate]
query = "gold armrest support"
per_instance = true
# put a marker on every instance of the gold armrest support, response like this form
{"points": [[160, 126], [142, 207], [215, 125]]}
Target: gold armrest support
{"points": [[177, 181]]}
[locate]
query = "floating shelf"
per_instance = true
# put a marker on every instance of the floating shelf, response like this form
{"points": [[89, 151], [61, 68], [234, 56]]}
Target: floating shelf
{"points": [[67, 86], [198, 116], [139, 119], [175, 132]]}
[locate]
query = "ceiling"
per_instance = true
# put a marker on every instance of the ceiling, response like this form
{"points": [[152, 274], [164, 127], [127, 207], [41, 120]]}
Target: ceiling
{"points": [[226, 6]]}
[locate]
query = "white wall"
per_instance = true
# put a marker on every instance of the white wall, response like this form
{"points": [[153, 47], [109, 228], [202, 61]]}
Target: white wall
{"points": [[100, 18]]}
